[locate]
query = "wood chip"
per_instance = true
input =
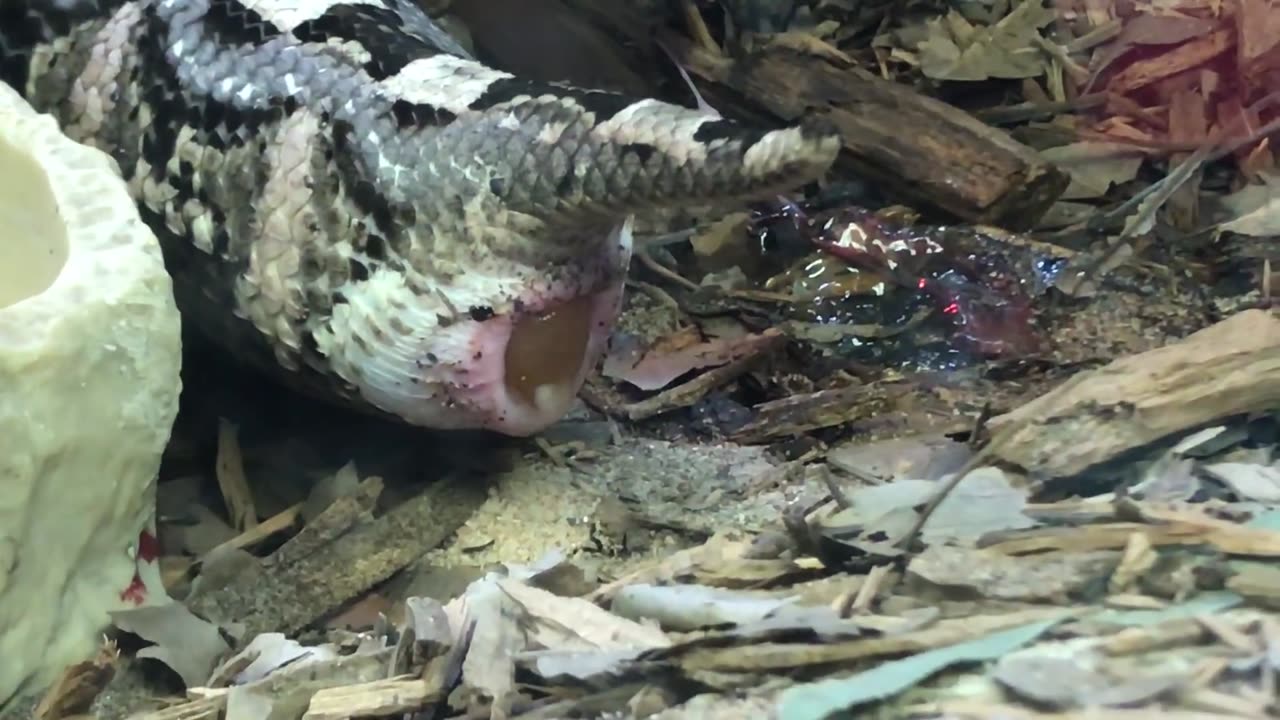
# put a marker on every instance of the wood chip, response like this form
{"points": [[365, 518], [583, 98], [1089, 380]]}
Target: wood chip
{"points": [[381, 698], [1230, 368], [232, 480]]}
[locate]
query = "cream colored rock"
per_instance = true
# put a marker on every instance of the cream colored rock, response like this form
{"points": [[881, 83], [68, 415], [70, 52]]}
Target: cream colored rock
{"points": [[89, 361]]}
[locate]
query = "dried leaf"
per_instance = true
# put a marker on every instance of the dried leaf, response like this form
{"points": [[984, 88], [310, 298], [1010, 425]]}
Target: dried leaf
{"points": [[658, 367], [1170, 479], [559, 622], [1067, 682], [267, 653], [1250, 481], [185, 643], [1151, 29], [1255, 209], [925, 457], [689, 607], [248, 704], [1095, 166], [580, 665], [824, 699], [1144, 217], [488, 669], [1035, 578], [983, 502], [723, 245], [1055, 682], [363, 613], [344, 482], [1007, 49]]}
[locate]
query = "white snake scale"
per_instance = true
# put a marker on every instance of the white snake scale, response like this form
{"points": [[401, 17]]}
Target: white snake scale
{"points": [[348, 200]]}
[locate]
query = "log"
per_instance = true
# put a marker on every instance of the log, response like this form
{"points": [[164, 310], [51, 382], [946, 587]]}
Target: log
{"points": [[923, 151], [1228, 369]]}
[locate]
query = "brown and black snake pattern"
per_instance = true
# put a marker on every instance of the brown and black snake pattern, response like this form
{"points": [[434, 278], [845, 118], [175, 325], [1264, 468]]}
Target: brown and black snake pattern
{"points": [[347, 199]]}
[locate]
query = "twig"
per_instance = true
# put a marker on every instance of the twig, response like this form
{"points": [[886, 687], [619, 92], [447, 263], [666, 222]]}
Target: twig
{"points": [[1056, 51], [838, 495], [1150, 199], [648, 242], [1104, 32], [556, 453], [974, 463], [795, 520], [647, 260], [1032, 110], [1141, 221], [1266, 282], [698, 27], [697, 96], [867, 593], [279, 522], [655, 292], [232, 480]]}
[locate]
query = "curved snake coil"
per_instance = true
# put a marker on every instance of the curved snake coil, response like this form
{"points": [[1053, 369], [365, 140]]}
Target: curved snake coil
{"points": [[346, 199]]}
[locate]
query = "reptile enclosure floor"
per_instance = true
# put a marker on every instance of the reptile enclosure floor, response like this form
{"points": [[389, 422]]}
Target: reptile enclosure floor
{"points": [[727, 526]]}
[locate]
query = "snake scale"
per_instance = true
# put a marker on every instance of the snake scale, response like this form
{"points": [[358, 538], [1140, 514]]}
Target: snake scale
{"points": [[348, 200]]}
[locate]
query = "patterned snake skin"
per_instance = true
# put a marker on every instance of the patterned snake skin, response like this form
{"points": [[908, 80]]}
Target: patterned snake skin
{"points": [[346, 199]]}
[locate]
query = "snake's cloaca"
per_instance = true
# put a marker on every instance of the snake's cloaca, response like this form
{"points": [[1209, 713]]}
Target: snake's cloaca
{"points": [[346, 198]]}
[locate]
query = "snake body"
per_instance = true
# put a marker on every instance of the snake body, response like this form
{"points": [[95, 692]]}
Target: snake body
{"points": [[348, 200]]}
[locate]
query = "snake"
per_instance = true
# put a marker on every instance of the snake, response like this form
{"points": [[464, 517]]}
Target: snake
{"points": [[347, 200]]}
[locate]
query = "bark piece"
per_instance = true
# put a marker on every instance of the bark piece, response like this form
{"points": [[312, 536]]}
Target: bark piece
{"points": [[338, 556], [809, 411], [284, 693], [921, 149], [1230, 368], [380, 698]]}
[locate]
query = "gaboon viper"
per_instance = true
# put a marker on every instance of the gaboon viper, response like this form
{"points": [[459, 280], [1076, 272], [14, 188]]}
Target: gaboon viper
{"points": [[347, 199]]}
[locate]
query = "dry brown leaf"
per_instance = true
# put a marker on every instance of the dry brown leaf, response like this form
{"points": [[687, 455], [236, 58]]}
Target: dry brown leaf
{"points": [[1095, 166], [671, 358]]}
